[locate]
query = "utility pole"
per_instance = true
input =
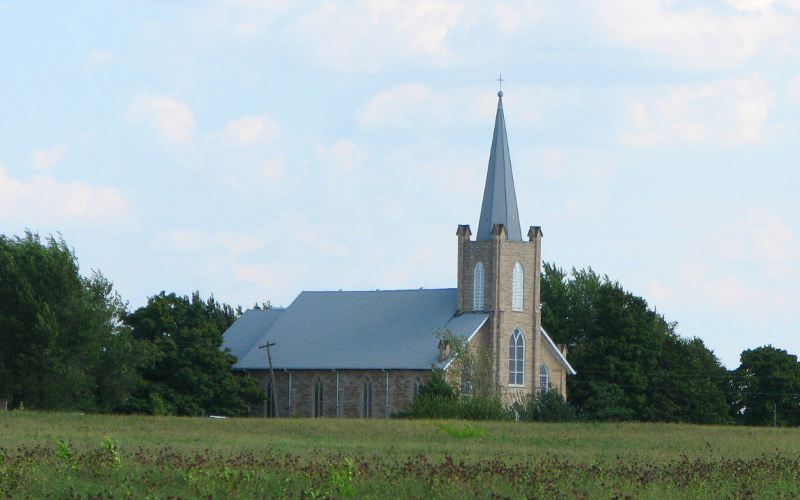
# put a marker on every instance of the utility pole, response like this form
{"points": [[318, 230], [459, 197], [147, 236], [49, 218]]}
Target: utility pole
{"points": [[274, 392], [774, 414]]}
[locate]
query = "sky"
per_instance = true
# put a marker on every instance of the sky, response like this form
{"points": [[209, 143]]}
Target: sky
{"points": [[256, 148]]}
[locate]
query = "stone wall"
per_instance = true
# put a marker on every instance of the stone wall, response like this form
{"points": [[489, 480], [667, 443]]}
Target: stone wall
{"points": [[295, 391], [498, 257]]}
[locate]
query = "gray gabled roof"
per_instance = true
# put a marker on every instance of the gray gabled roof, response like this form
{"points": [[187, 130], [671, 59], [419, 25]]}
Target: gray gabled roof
{"points": [[244, 333], [499, 198], [392, 329]]}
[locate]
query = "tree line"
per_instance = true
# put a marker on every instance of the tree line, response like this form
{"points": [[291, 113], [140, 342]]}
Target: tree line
{"points": [[69, 342], [632, 365]]}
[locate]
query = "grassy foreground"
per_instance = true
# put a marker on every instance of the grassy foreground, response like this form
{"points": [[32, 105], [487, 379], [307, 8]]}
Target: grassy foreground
{"points": [[59, 455]]}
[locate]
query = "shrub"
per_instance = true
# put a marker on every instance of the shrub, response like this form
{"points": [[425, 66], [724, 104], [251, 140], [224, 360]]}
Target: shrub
{"points": [[546, 406], [437, 386], [481, 408], [461, 407]]}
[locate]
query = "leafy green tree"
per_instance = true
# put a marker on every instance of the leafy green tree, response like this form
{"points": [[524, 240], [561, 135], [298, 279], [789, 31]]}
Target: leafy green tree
{"points": [[62, 345], [569, 304], [188, 373], [606, 402], [630, 362], [690, 383], [766, 387]]}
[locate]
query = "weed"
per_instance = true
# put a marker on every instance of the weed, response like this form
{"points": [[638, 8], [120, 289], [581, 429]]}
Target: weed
{"points": [[467, 431], [341, 480], [65, 453], [111, 451]]}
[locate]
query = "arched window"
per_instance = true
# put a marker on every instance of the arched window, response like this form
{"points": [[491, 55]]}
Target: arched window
{"points": [[516, 359], [517, 287], [544, 377], [367, 409], [478, 286], [417, 386], [318, 399]]}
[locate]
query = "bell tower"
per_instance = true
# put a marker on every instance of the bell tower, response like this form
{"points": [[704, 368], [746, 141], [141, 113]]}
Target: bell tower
{"points": [[499, 274]]}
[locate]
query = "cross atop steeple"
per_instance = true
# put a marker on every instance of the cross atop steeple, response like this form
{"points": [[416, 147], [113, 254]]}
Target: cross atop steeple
{"points": [[499, 198], [500, 80]]}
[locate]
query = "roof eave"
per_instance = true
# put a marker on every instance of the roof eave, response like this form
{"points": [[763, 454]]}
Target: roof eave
{"points": [[557, 353]]}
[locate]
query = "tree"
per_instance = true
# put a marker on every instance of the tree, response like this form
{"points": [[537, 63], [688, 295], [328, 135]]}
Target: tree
{"points": [[471, 369], [630, 361], [62, 345], [766, 387], [189, 374]]}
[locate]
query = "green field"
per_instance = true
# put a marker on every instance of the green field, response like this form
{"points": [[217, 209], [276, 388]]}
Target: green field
{"points": [[60, 455]]}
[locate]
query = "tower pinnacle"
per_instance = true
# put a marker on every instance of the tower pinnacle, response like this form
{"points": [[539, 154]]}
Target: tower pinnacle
{"points": [[499, 198]]}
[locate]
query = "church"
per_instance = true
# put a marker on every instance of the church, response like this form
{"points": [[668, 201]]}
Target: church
{"points": [[366, 353]]}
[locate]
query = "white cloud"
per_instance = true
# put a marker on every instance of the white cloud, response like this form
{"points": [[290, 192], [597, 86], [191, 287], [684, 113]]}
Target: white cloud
{"points": [[762, 5], [231, 243], [272, 170], [257, 261], [751, 5], [771, 238], [46, 159], [251, 130], [696, 37], [45, 200], [397, 106], [364, 35], [510, 17], [419, 105], [341, 156], [793, 90], [732, 261], [730, 293], [171, 119], [254, 6], [246, 30], [550, 161], [101, 57], [734, 111], [338, 168]]}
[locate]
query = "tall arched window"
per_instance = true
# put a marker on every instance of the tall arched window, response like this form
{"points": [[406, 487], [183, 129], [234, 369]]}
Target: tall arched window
{"points": [[367, 408], [477, 290], [517, 287], [544, 377], [318, 399], [417, 386], [516, 359]]}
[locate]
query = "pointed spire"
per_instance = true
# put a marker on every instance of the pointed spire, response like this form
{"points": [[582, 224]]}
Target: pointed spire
{"points": [[499, 198]]}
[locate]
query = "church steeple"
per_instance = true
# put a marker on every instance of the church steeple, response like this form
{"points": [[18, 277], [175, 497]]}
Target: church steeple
{"points": [[499, 198]]}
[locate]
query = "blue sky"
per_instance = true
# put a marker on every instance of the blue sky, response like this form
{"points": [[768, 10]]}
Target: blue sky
{"points": [[256, 148]]}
